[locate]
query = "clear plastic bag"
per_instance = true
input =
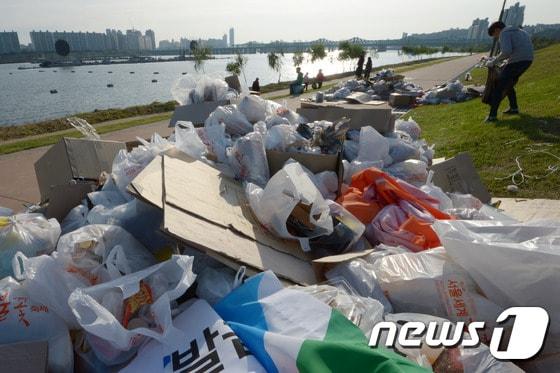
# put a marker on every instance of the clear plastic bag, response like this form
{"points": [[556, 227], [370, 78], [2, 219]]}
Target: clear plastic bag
{"points": [[146, 298], [401, 150], [290, 189], [236, 124], [360, 275], [215, 283], [410, 127], [28, 320], [434, 191], [352, 168], [412, 171], [217, 140], [363, 312], [31, 234], [373, 146], [254, 108], [327, 183], [76, 218], [138, 218], [248, 159], [187, 140], [284, 137], [351, 149]]}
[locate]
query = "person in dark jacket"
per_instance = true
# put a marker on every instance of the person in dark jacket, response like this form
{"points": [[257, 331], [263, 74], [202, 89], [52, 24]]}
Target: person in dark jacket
{"points": [[517, 52], [369, 67], [360, 68], [256, 87]]}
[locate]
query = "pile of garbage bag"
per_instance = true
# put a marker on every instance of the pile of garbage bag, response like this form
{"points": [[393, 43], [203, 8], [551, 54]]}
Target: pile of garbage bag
{"points": [[194, 89], [447, 93], [109, 290]]}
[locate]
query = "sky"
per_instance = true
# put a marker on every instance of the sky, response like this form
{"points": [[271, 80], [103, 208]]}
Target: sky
{"points": [[261, 20]]}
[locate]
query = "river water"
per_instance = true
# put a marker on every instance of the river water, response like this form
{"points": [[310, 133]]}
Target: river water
{"points": [[25, 94]]}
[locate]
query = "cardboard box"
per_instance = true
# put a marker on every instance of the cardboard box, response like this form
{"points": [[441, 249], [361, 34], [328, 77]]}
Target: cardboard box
{"points": [[402, 99], [64, 198], [208, 211], [458, 174], [195, 113], [74, 159], [360, 115], [24, 357]]}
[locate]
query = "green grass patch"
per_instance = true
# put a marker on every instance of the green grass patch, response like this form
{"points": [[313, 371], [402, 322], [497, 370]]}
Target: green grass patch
{"points": [[97, 116], [52, 139], [494, 147]]}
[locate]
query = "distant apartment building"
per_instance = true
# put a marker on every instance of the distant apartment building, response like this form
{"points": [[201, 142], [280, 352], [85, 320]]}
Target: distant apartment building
{"points": [[478, 30], [150, 37], [42, 41], [170, 45], [231, 37], [9, 42], [514, 15], [133, 39]]}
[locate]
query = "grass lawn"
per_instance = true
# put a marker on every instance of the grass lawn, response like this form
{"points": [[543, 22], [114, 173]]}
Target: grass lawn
{"points": [[494, 147], [52, 139]]}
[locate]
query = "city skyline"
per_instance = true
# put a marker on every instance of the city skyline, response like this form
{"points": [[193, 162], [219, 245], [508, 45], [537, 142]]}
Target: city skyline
{"points": [[252, 20]]}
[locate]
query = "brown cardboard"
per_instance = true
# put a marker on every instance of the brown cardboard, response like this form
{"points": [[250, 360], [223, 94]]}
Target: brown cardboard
{"points": [[209, 211], [402, 99], [63, 198], [24, 357], [458, 174], [360, 115], [74, 159], [323, 265]]}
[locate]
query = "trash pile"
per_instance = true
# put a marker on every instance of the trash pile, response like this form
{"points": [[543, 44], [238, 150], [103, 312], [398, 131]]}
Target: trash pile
{"points": [[448, 93], [201, 88], [194, 253]]}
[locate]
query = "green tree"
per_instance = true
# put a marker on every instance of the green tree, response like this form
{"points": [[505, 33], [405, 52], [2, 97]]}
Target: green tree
{"points": [[349, 51], [298, 59], [233, 68], [317, 52], [238, 65], [200, 54], [275, 63]]}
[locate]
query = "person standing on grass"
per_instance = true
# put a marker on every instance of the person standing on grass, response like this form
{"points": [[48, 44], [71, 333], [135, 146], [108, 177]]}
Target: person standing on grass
{"points": [[369, 67], [320, 78], [360, 68], [517, 50]]}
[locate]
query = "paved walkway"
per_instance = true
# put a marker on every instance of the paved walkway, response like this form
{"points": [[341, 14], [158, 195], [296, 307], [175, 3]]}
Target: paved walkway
{"points": [[17, 174], [437, 74]]}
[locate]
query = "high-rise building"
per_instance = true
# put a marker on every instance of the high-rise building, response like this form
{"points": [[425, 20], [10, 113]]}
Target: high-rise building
{"points": [[42, 41], [224, 40], [478, 30], [514, 15], [9, 42], [231, 37], [151, 44], [133, 39]]}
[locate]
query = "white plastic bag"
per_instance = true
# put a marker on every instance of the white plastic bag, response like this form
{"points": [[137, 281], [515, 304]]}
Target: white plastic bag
{"points": [[248, 159], [432, 190], [513, 264], [31, 234], [87, 251], [215, 283], [146, 299], [254, 108], [23, 319], [187, 140], [429, 282], [352, 168], [373, 146], [401, 150], [236, 124], [288, 188]]}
